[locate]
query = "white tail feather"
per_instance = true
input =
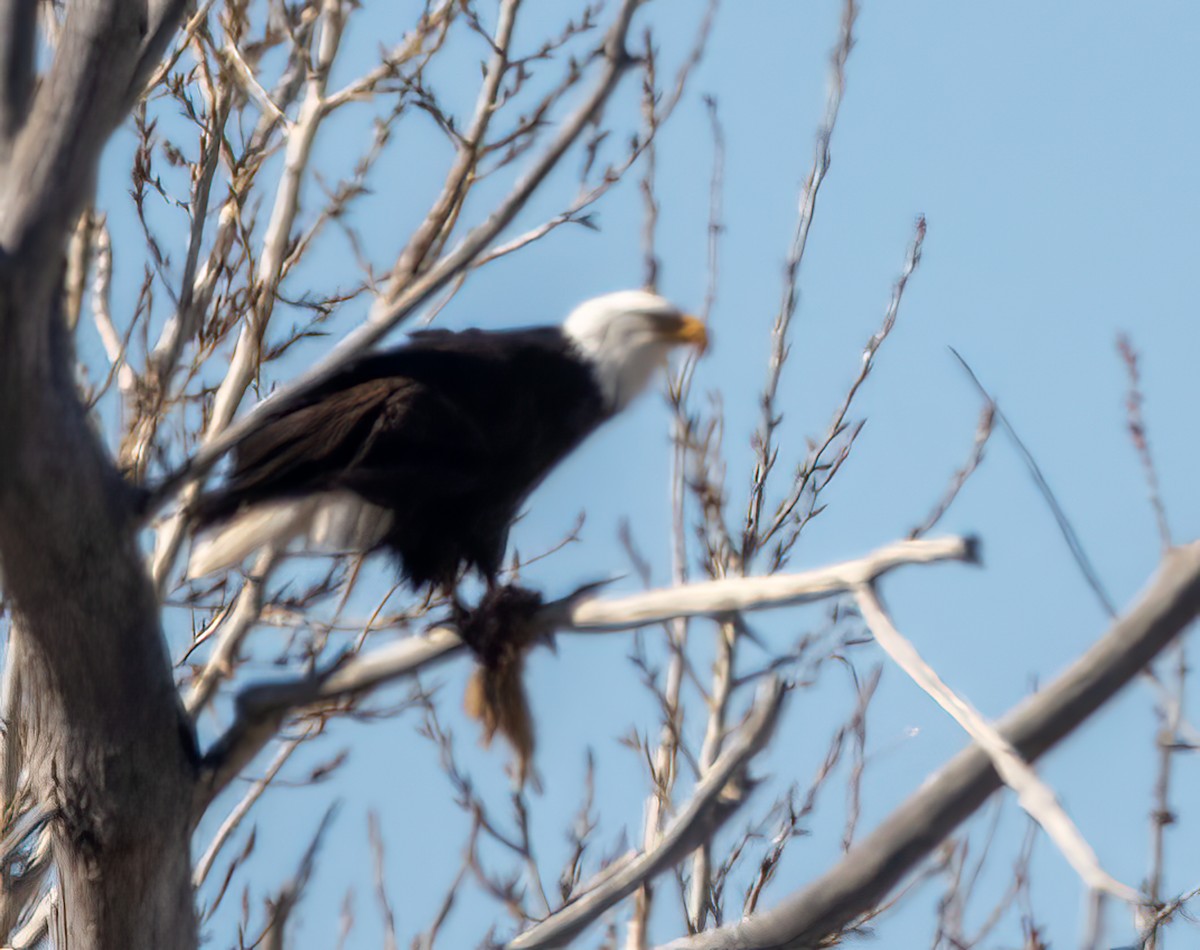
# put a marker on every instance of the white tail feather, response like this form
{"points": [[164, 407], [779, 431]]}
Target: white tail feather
{"points": [[230, 543], [343, 523], [331, 523]]}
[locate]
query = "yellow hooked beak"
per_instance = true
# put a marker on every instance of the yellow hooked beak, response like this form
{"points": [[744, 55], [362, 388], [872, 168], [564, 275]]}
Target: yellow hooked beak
{"points": [[689, 329]]}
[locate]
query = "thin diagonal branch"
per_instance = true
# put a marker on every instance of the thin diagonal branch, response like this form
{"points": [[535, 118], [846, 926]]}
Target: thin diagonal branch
{"points": [[445, 210], [1032, 793], [766, 451], [1170, 602], [983, 432], [1060, 517], [716, 797], [815, 464], [289, 896]]}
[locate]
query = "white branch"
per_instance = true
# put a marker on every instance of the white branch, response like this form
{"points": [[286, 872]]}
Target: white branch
{"points": [[263, 707], [1037, 798], [235, 625], [714, 598], [114, 346], [588, 614], [716, 797], [251, 86]]}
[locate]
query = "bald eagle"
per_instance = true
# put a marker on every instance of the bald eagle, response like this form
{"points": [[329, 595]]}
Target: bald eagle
{"points": [[430, 449]]}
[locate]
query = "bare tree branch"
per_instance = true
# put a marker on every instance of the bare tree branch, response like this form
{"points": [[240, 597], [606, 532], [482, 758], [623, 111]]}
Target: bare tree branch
{"points": [[263, 708], [401, 300], [440, 220], [765, 449], [289, 895], [716, 797], [1037, 798], [983, 432], [878, 862]]}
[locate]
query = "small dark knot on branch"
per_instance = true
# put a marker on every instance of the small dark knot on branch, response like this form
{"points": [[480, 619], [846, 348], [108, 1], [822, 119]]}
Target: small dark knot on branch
{"points": [[618, 54]]}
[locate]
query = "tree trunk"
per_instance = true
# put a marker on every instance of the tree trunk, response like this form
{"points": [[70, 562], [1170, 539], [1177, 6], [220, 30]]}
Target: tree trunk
{"points": [[105, 740]]}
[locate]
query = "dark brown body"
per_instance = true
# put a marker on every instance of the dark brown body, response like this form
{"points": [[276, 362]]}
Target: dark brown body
{"points": [[450, 433]]}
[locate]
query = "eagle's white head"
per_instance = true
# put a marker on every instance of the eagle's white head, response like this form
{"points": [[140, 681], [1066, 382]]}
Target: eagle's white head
{"points": [[625, 336]]}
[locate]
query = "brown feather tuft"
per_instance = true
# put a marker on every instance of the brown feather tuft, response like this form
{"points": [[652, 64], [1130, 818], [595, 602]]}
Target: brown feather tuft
{"points": [[500, 631]]}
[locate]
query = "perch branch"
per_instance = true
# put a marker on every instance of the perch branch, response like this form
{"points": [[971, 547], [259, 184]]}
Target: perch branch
{"points": [[262, 708]]}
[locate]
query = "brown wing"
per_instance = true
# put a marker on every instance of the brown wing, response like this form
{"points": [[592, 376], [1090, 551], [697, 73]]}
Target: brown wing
{"points": [[310, 437], [377, 438]]}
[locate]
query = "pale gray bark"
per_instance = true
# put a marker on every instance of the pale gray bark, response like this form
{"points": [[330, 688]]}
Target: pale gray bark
{"points": [[100, 722]]}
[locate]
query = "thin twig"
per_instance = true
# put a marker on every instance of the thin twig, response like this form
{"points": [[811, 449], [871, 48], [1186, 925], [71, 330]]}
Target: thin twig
{"points": [[381, 895], [1060, 516], [983, 432], [714, 801], [289, 895], [816, 473], [1141, 442], [766, 452]]}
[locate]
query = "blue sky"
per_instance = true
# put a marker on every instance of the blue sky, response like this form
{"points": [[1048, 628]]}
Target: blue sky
{"points": [[1053, 150]]}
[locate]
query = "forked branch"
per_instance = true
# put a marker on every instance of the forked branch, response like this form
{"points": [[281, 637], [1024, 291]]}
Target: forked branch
{"points": [[879, 861]]}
